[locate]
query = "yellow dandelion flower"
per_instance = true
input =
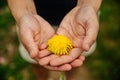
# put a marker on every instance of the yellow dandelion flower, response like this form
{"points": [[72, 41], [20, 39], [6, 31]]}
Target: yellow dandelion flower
{"points": [[60, 45]]}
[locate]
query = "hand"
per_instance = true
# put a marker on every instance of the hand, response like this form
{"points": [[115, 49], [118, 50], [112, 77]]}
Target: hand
{"points": [[34, 33], [46, 57], [81, 26]]}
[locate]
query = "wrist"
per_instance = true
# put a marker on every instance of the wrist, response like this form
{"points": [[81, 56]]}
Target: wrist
{"points": [[19, 16], [90, 7], [96, 9], [87, 6], [20, 8], [95, 4]]}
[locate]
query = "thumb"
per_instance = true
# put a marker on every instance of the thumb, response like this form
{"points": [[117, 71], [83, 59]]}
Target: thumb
{"points": [[29, 43], [33, 50], [91, 35]]}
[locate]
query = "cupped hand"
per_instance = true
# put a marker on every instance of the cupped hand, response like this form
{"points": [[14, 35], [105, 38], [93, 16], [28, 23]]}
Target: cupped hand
{"points": [[34, 33], [81, 26]]}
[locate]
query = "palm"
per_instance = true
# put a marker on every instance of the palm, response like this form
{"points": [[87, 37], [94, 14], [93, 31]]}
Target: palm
{"points": [[80, 25], [45, 32], [71, 28]]}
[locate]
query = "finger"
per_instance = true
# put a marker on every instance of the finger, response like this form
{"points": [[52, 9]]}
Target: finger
{"points": [[46, 60], [77, 63], [74, 53], [82, 58], [65, 67], [43, 46], [29, 44], [91, 34], [44, 53]]}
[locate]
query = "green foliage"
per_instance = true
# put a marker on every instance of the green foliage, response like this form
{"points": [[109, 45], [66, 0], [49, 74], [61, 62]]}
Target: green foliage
{"points": [[6, 20], [104, 64], [13, 70]]}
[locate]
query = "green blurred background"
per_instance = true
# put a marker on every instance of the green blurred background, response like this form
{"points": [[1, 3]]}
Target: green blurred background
{"points": [[104, 64]]}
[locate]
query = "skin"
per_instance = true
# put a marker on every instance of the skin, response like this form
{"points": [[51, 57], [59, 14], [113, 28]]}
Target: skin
{"points": [[80, 25], [36, 35], [84, 32]]}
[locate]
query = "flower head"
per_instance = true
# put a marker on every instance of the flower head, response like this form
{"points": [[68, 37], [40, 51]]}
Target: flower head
{"points": [[60, 45]]}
